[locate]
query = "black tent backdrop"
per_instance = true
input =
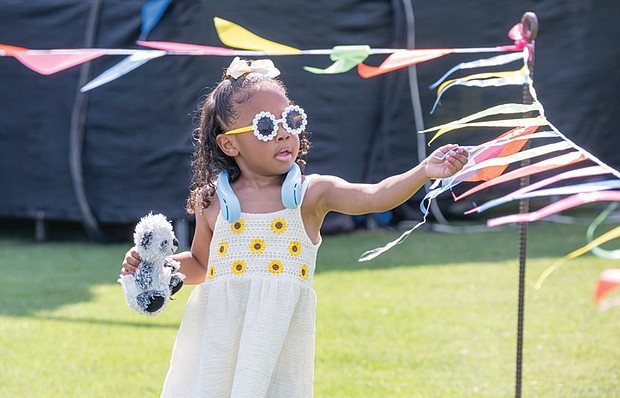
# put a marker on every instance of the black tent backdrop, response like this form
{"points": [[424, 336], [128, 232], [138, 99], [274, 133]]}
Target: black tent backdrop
{"points": [[135, 152]]}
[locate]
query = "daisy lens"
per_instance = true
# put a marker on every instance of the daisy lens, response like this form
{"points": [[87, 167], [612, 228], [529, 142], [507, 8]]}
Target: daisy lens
{"points": [[294, 119], [265, 124]]}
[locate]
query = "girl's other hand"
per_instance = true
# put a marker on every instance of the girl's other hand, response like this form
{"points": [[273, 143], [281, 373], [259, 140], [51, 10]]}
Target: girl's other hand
{"points": [[131, 262]]}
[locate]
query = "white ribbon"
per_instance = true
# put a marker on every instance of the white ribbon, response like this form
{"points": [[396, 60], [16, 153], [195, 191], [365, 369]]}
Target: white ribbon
{"points": [[239, 67]]}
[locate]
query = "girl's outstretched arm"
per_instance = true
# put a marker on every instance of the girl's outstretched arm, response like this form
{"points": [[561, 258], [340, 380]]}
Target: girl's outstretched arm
{"points": [[331, 193]]}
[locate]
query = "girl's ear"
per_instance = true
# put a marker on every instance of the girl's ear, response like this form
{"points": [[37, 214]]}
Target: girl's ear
{"points": [[227, 145]]}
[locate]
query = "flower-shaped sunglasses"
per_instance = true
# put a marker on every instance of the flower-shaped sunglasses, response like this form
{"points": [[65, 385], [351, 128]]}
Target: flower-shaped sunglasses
{"points": [[265, 124]]}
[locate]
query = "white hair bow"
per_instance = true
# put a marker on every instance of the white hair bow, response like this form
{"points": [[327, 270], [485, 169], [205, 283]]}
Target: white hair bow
{"points": [[239, 67]]}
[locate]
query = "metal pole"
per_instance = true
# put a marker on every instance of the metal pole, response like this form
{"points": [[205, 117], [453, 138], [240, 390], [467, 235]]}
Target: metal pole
{"points": [[530, 30]]}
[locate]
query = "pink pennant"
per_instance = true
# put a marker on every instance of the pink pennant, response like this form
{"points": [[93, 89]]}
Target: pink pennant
{"points": [[47, 63], [185, 48], [584, 172], [564, 204], [549, 164], [400, 59]]}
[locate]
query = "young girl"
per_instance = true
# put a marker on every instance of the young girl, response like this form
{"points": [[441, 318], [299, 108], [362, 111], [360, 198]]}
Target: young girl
{"points": [[248, 328]]}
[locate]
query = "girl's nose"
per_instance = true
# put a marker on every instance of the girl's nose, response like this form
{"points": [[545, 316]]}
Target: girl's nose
{"points": [[282, 133]]}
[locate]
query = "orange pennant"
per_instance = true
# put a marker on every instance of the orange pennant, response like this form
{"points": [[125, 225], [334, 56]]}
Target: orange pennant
{"points": [[515, 146], [400, 59], [10, 50]]}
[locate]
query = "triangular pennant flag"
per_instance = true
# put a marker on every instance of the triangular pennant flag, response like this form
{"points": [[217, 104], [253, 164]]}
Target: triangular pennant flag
{"points": [[194, 49], [122, 68], [235, 36], [152, 11], [6, 50], [345, 58], [400, 59], [508, 149], [47, 63]]}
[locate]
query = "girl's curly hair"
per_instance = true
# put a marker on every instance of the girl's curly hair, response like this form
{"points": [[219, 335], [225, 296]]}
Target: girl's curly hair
{"points": [[216, 114]]}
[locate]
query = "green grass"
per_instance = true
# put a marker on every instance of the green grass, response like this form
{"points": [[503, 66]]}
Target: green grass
{"points": [[434, 317]]}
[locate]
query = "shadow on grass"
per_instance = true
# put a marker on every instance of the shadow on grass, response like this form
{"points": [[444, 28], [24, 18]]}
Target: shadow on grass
{"points": [[43, 277], [107, 322], [423, 247]]}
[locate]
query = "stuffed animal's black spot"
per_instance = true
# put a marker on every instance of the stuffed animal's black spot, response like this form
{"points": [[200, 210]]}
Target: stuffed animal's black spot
{"points": [[175, 288], [146, 240], [156, 301]]}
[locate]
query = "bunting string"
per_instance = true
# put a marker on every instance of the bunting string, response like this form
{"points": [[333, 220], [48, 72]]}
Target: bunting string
{"points": [[488, 161]]}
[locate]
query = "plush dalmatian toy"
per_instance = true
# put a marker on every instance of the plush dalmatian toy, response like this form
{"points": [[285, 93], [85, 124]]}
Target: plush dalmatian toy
{"points": [[157, 278]]}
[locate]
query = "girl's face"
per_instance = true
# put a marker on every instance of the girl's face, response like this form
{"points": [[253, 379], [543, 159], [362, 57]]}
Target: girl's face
{"points": [[264, 157]]}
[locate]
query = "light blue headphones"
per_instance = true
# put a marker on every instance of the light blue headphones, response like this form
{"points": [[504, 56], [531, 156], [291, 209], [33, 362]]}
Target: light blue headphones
{"points": [[229, 204]]}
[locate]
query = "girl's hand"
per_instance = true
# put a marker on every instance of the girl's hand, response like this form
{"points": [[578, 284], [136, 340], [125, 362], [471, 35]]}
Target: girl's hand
{"points": [[131, 262], [446, 161]]}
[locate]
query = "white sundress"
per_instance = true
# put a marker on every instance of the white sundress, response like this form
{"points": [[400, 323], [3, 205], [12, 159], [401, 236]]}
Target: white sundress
{"points": [[248, 330]]}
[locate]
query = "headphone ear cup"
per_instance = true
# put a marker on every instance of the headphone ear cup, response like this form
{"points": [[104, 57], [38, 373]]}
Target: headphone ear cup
{"points": [[292, 187], [229, 204]]}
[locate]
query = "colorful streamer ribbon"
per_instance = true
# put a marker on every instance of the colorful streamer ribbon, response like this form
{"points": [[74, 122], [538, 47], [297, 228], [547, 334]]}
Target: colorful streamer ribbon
{"points": [[494, 79], [544, 165], [613, 234], [583, 172], [597, 251], [480, 63], [564, 204]]}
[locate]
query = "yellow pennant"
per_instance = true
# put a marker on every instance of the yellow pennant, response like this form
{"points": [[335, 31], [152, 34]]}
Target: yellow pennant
{"points": [[235, 36], [523, 122], [480, 76]]}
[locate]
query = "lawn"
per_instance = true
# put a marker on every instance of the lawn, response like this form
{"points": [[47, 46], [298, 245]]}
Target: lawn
{"points": [[434, 317]]}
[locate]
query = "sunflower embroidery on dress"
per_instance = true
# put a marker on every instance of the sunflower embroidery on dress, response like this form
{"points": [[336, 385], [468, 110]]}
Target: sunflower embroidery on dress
{"points": [[278, 225], [211, 272], [276, 267], [238, 226], [294, 248], [303, 272], [257, 246], [238, 267], [222, 248]]}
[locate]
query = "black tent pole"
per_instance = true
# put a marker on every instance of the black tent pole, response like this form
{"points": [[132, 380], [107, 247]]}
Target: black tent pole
{"points": [[78, 126], [530, 30]]}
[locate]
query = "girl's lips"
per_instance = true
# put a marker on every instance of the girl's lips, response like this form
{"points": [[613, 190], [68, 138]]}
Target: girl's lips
{"points": [[284, 154]]}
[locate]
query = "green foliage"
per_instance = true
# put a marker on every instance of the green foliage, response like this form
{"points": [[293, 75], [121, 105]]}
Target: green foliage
{"points": [[434, 317]]}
